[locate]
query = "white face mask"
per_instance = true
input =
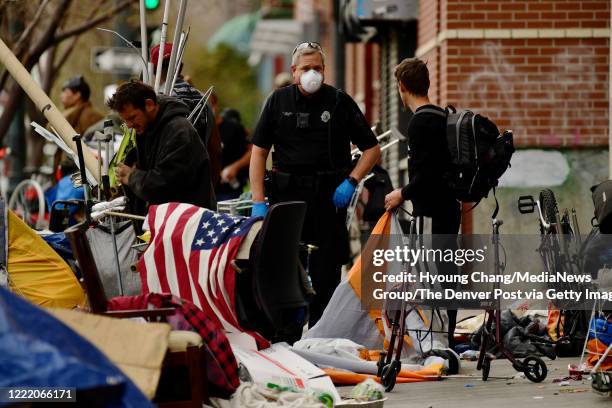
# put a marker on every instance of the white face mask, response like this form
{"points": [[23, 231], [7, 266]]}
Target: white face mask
{"points": [[311, 81]]}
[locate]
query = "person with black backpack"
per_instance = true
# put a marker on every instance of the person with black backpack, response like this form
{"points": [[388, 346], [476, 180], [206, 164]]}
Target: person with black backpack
{"points": [[429, 160], [429, 157]]}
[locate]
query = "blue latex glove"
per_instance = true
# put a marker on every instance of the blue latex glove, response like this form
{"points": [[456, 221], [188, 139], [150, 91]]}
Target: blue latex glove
{"points": [[260, 209], [343, 194]]}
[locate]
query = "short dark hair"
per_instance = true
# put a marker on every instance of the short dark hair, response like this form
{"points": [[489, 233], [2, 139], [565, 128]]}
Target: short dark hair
{"points": [[134, 92], [78, 84], [414, 75]]}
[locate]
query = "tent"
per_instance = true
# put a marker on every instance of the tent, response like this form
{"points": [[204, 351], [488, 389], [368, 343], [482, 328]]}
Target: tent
{"points": [[36, 272], [37, 350]]}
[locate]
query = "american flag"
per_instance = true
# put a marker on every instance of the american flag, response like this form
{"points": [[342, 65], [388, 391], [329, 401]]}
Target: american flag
{"points": [[190, 256]]}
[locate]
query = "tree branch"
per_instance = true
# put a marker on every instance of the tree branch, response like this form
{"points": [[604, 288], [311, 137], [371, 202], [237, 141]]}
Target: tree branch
{"points": [[16, 93], [59, 37], [64, 57], [18, 49], [46, 39], [54, 68]]}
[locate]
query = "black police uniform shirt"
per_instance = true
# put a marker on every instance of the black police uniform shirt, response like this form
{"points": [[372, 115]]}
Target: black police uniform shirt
{"points": [[299, 128]]}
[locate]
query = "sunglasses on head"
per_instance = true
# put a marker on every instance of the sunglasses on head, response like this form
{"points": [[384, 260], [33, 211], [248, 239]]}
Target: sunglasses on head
{"points": [[309, 44]]}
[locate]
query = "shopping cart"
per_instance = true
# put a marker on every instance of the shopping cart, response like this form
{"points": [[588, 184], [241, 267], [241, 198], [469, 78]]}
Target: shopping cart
{"points": [[236, 206]]}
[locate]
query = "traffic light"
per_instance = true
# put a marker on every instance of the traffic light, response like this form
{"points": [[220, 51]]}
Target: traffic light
{"points": [[151, 4]]}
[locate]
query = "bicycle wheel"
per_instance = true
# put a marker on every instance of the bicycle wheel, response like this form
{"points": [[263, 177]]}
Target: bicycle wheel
{"points": [[550, 249], [549, 207], [28, 202]]}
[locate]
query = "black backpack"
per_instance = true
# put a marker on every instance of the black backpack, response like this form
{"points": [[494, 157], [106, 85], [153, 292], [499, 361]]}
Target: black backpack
{"points": [[602, 200], [479, 154]]}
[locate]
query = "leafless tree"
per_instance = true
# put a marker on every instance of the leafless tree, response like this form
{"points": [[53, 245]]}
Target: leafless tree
{"points": [[33, 28]]}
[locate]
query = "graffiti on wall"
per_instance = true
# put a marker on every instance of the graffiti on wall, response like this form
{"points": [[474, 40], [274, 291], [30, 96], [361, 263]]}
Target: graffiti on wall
{"points": [[550, 99]]}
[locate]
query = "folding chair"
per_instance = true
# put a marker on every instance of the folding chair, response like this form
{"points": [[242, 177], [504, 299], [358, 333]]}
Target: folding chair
{"points": [[270, 294]]}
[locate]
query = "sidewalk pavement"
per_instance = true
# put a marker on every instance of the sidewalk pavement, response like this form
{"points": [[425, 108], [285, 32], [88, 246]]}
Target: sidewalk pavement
{"points": [[496, 392]]}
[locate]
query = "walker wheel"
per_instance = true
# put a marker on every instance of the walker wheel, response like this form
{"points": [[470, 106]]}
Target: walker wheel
{"points": [[381, 363], [535, 369], [486, 368], [389, 375]]}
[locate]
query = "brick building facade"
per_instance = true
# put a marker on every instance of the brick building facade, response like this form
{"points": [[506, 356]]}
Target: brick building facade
{"points": [[538, 67]]}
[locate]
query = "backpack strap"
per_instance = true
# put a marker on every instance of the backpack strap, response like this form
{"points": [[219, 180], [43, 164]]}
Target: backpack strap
{"points": [[495, 212], [429, 110], [496, 205]]}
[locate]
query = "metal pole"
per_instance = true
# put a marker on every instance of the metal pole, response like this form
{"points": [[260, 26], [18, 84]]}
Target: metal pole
{"points": [[150, 72], [79, 148], [117, 262], [173, 54], [183, 44], [162, 43], [100, 168], [144, 43]]}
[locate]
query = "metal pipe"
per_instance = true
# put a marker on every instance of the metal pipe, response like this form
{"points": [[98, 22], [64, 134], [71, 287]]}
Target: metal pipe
{"points": [[179, 60], [150, 73], [379, 138], [173, 54], [198, 105], [162, 43], [117, 262], [144, 43], [88, 203], [100, 168]]}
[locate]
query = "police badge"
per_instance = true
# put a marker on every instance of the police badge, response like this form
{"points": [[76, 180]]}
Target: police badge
{"points": [[325, 116]]}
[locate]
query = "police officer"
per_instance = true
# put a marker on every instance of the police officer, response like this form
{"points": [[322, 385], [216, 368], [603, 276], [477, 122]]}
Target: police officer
{"points": [[311, 126]]}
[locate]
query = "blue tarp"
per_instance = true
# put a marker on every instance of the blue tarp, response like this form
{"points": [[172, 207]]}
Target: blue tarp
{"points": [[60, 243], [37, 350], [64, 190]]}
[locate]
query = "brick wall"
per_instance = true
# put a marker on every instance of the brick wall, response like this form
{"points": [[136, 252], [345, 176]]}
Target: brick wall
{"points": [[538, 67], [526, 14], [428, 21]]}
